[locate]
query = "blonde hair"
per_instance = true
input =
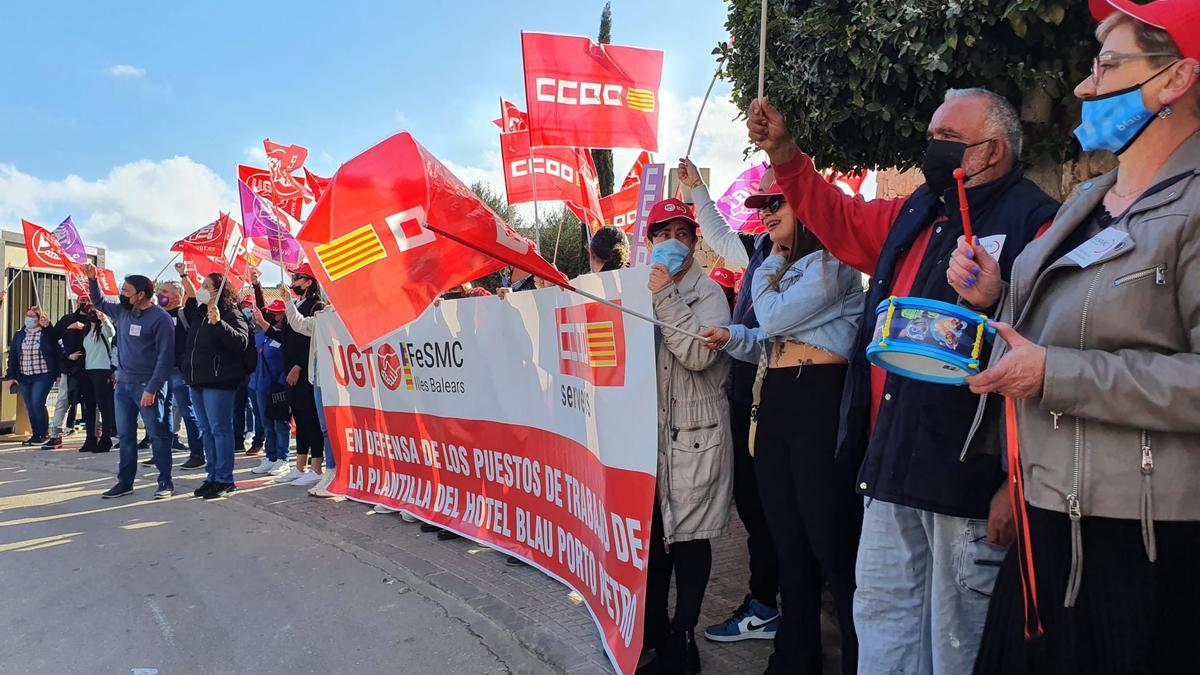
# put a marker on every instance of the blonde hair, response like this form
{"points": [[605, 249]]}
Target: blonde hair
{"points": [[1149, 39]]}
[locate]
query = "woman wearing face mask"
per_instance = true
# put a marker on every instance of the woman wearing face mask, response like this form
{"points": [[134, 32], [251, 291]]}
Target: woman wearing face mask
{"points": [[98, 365], [310, 444], [695, 460], [33, 360], [270, 381], [1100, 363], [807, 305], [608, 250], [213, 367]]}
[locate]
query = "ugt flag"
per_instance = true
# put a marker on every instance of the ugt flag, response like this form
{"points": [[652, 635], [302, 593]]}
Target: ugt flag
{"points": [[585, 95], [282, 160], [211, 240], [259, 180], [43, 248], [72, 244], [267, 223], [394, 229]]}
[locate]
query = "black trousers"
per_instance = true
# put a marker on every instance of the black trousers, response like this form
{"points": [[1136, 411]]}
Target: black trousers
{"points": [[764, 561], [812, 509], [309, 439], [1132, 616], [690, 563], [96, 389]]}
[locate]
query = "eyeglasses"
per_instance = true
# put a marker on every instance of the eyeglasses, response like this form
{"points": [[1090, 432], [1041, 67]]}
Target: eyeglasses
{"points": [[772, 207], [1109, 60]]}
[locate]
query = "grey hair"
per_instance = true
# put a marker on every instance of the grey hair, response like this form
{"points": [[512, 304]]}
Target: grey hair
{"points": [[1002, 119], [173, 285]]}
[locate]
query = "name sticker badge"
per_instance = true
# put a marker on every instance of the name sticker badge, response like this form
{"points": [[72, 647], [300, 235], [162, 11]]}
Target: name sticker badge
{"points": [[135, 329], [994, 245], [1100, 247]]}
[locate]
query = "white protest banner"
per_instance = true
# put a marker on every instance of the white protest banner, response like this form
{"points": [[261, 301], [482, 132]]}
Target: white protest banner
{"points": [[526, 423]]}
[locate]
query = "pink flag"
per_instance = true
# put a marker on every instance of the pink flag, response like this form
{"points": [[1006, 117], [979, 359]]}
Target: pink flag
{"points": [[732, 204]]}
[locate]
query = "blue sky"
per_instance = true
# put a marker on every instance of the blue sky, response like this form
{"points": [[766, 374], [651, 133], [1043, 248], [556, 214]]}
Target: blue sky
{"points": [[115, 108]]}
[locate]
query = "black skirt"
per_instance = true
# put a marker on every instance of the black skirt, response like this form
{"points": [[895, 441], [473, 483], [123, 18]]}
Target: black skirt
{"points": [[1132, 616]]}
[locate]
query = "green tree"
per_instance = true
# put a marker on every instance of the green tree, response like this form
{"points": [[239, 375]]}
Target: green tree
{"points": [[604, 158], [858, 80], [572, 256]]}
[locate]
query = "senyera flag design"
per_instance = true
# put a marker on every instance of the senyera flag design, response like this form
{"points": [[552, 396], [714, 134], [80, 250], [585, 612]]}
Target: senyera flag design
{"points": [[585, 95], [372, 244]]}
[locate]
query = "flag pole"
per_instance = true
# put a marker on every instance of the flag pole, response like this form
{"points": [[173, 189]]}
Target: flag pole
{"points": [[762, 48], [566, 286], [37, 300], [532, 175], [703, 102], [164, 267], [15, 277]]}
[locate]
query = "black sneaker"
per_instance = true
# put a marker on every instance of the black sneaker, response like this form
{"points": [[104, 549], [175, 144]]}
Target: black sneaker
{"points": [[221, 490], [428, 527], [193, 462], [178, 445], [34, 440], [149, 461], [447, 535], [144, 443], [52, 443], [514, 561], [117, 490], [205, 488], [164, 491]]}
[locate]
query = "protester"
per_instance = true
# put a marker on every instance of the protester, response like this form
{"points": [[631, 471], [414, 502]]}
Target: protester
{"points": [[70, 380], [694, 453], [608, 250], [808, 305], [935, 527], [757, 617], [268, 383], [245, 418], [179, 298], [97, 384], [146, 344], [32, 368], [310, 446], [1106, 401]]}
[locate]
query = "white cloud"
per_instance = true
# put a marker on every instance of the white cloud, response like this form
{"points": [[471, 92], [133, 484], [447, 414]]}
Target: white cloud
{"points": [[125, 70], [255, 155], [135, 212]]}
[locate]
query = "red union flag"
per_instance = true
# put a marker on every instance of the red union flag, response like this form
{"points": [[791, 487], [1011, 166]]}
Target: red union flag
{"points": [[315, 183], [282, 160], [108, 282], [585, 95], [590, 343], [43, 249], [620, 208], [394, 229], [587, 205], [210, 240], [547, 174], [259, 180], [511, 118], [634, 177]]}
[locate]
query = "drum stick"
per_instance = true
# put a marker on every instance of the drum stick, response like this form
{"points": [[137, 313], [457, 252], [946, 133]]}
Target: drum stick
{"points": [[963, 208], [762, 48]]}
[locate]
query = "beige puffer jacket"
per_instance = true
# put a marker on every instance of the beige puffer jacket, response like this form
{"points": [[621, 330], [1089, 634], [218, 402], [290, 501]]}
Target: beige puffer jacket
{"points": [[695, 450]]}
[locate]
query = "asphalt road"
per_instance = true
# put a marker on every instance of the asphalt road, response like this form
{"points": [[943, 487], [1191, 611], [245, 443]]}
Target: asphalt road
{"points": [[187, 586]]}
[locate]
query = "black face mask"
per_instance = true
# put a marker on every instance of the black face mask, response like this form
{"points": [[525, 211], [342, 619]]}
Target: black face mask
{"points": [[941, 159], [126, 303], [298, 289]]}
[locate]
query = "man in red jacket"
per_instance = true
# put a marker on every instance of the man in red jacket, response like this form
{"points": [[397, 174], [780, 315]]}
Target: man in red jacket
{"points": [[935, 528]]}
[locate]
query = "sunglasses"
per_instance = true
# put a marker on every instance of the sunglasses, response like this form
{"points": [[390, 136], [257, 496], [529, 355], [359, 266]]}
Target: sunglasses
{"points": [[772, 207]]}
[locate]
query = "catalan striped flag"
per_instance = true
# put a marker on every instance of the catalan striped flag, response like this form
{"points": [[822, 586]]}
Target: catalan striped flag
{"points": [[406, 367], [350, 252], [640, 99]]}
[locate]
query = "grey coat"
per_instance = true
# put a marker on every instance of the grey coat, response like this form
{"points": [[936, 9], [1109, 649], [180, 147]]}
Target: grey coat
{"points": [[695, 448], [1116, 432]]}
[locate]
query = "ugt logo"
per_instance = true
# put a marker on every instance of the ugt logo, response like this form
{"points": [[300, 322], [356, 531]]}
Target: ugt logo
{"points": [[591, 343]]}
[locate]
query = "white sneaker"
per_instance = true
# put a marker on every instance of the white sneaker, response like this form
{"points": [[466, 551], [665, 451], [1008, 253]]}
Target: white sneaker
{"points": [[263, 466], [279, 467], [407, 517], [307, 478], [290, 476], [380, 508], [321, 489]]}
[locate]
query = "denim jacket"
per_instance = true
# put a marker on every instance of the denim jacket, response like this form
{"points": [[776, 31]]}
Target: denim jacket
{"points": [[819, 303]]}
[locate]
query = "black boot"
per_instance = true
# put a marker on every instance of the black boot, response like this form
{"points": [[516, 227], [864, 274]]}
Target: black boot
{"points": [[679, 655]]}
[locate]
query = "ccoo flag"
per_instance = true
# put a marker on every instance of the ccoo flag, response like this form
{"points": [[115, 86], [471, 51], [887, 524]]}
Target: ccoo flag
{"points": [[585, 95]]}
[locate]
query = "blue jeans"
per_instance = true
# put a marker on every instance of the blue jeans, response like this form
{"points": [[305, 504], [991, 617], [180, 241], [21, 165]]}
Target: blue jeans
{"points": [[34, 390], [127, 401], [181, 392], [330, 463], [924, 583], [278, 434], [214, 414], [260, 420]]}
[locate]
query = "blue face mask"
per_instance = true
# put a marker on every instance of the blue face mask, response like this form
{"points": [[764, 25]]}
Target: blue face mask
{"points": [[247, 313], [1114, 121], [670, 254], [30, 322]]}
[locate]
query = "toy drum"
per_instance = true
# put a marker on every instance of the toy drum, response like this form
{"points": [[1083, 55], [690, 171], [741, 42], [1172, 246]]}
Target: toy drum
{"points": [[927, 339]]}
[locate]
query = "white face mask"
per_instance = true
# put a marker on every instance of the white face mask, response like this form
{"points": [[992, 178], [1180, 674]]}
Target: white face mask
{"points": [[203, 296]]}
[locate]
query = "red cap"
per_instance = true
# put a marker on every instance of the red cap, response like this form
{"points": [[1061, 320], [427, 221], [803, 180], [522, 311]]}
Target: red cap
{"points": [[302, 270], [1180, 18], [83, 299], [768, 189], [668, 210], [277, 307], [724, 277]]}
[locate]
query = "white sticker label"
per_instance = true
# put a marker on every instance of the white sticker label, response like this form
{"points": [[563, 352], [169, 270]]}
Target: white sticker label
{"points": [[1099, 247], [274, 343], [135, 329], [994, 245]]}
